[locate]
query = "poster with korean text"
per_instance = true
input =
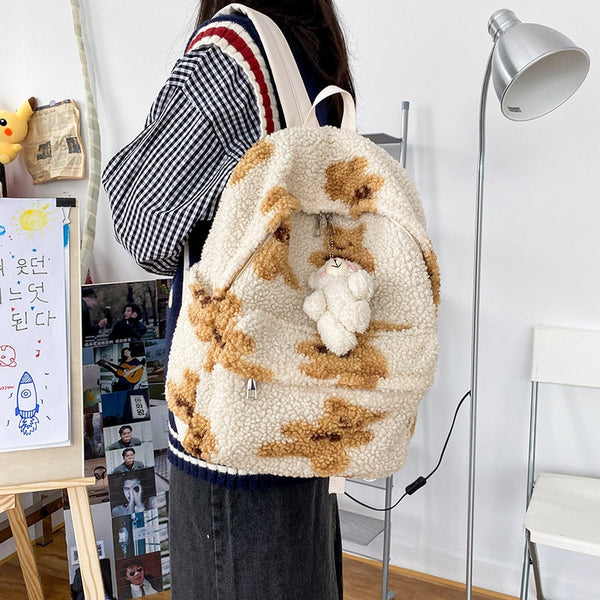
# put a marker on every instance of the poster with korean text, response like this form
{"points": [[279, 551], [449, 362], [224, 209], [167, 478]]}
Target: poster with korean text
{"points": [[35, 395]]}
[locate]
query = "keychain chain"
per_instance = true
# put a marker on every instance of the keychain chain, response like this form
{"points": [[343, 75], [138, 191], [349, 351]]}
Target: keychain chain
{"points": [[329, 233]]}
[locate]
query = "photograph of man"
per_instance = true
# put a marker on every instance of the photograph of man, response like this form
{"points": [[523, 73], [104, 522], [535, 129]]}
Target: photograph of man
{"points": [[126, 460], [128, 311], [89, 328], [132, 493], [138, 583], [129, 463], [126, 439], [130, 327]]}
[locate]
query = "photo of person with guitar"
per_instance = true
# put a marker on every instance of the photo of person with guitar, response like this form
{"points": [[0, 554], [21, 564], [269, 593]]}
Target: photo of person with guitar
{"points": [[130, 372]]}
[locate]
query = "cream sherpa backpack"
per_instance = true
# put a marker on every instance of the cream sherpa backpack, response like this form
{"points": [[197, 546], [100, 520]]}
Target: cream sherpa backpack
{"points": [[281, 362]]}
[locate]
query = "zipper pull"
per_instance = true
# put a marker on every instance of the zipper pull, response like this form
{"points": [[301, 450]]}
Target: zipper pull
{"points": [[319, 226], [324, 224], [329, 233], [251, 391], [328, 221]]}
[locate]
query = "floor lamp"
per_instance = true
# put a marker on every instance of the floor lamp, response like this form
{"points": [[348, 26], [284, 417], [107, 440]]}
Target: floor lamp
{"points": [[534, 69]]}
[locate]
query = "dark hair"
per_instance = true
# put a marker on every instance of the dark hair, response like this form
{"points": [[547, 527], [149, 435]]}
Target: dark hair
{"points": [[311, 26], [128, 348], [126, 451], [124, 427], [88, 292], [132, 562], [134, 308]]}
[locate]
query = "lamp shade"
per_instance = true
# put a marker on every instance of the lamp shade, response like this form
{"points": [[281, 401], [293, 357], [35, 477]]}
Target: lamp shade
{"points": [[534, 68]]}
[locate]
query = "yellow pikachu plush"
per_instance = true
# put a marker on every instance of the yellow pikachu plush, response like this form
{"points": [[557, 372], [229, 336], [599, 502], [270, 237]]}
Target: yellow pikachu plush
{"points": [[13, 129]]}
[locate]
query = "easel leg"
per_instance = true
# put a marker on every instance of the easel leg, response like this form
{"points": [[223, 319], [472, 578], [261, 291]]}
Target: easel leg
{"points": [[91, 576], [18, 525]]}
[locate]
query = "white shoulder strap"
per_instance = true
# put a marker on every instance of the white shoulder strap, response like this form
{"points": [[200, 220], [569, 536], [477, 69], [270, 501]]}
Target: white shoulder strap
{"points": [[288, 81], [294, 99], [349, 117]]}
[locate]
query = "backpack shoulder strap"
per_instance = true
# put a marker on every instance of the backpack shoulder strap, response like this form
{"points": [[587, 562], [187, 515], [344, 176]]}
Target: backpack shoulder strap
{"points": [[349, 116], [237, 37], [290, 88]]}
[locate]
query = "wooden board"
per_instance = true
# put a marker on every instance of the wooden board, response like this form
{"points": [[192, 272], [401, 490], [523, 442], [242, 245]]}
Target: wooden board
{"points": [[64, 462]]}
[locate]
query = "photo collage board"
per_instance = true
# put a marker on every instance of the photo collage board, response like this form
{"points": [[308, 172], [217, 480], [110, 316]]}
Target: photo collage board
{"points": [[125, 435]]}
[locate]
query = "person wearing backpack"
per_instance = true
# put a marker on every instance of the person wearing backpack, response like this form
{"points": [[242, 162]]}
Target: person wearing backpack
{"points": [[233, 535]]}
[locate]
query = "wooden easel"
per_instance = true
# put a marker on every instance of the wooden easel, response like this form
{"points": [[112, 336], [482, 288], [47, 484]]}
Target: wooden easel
{"points": [[83, 527], [65, 463]]}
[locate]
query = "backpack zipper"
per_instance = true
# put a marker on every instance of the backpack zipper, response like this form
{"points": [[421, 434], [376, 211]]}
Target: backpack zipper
{"points": [[239, 273]]}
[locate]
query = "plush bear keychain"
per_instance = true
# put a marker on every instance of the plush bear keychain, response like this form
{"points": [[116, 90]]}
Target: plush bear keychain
{"points": [[340, 303]]}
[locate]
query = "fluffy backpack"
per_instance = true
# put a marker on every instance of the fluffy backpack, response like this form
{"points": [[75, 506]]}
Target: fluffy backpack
{"points": [[308, 331]]}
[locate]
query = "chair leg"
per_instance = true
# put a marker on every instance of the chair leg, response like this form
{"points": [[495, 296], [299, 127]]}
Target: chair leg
{"points": [[530, 559], [535, 563], [525, 571]]}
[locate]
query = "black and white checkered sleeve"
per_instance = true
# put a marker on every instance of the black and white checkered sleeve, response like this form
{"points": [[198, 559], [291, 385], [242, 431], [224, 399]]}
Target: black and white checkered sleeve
{"points": [[172, 174]]}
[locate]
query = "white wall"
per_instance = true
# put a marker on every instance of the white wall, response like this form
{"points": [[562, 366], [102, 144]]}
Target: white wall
{"points": [[540, 256]]}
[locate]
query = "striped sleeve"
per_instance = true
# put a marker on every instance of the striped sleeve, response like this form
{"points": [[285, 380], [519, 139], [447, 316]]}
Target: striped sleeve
{"points": [[172, 174]]}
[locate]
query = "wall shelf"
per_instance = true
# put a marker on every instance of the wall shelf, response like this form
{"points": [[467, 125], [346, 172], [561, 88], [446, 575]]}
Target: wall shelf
{"points": [[360, 529]]}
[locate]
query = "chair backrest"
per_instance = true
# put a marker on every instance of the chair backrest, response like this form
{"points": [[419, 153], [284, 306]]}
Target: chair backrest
{"points": [[566, 356]]}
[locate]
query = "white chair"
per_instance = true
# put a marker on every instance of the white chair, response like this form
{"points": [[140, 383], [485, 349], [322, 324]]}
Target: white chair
{"points": [[563, 511]]}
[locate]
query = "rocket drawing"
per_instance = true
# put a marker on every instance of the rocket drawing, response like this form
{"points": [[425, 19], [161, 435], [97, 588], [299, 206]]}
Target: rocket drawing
{"points": [[27, 405]]}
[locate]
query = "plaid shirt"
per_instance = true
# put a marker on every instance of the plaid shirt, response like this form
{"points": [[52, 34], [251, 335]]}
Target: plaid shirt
{"points": [[172, 174]]}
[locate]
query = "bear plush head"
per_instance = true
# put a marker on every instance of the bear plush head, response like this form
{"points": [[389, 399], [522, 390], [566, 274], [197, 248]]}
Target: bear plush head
{"points": [[334, 267]]}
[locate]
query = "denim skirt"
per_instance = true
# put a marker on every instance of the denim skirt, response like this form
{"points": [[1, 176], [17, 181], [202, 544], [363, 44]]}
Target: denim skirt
{"points": [[268, 544]]}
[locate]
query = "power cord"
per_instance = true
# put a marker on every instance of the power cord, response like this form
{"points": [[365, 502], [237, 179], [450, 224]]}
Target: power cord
{"points": [[420, 481]]}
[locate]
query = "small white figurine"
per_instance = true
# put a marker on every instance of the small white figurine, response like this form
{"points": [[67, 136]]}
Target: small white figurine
{"points": [[340, 303]]}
